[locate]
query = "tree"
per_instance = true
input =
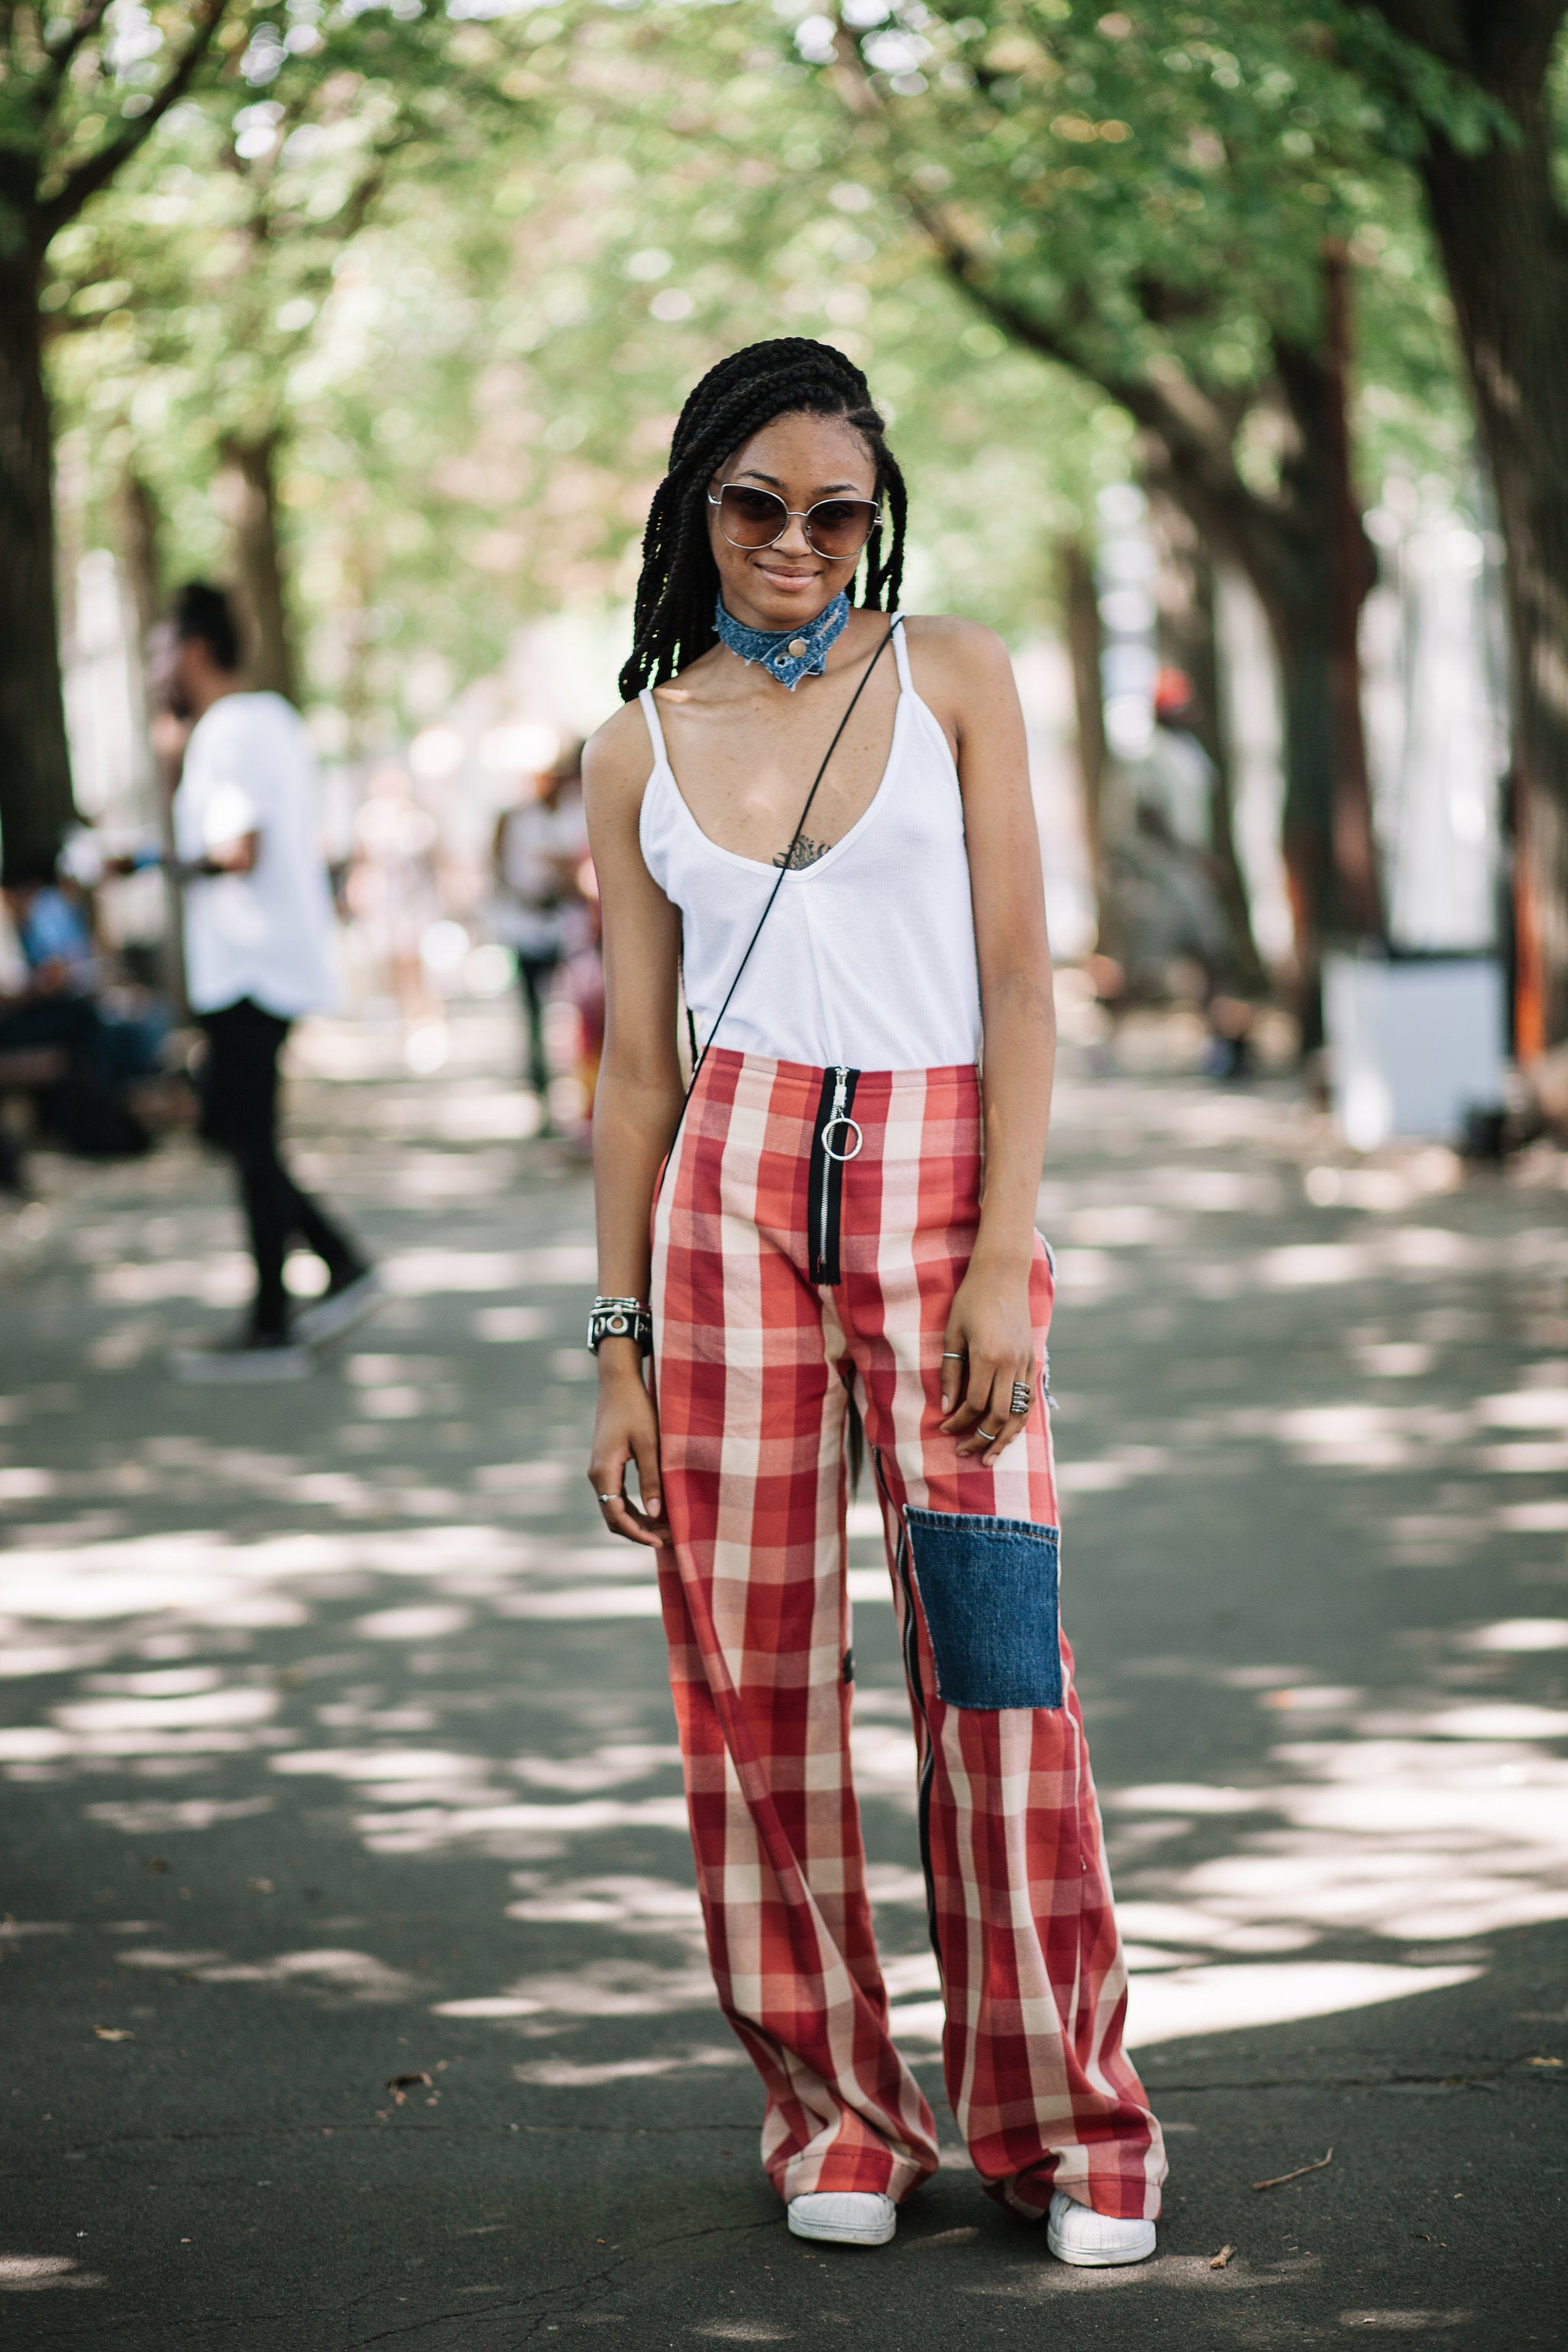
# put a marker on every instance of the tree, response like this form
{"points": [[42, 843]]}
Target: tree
{"points": [[475, 375], [1492, 179], [81, 93], [1165, 206], [221, 92]]}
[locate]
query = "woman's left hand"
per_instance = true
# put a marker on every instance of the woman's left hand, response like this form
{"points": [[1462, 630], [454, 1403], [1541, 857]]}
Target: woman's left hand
{"points": [[988, 1345]]}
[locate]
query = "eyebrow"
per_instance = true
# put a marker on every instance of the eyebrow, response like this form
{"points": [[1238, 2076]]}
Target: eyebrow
{"points": [[826, 490]]}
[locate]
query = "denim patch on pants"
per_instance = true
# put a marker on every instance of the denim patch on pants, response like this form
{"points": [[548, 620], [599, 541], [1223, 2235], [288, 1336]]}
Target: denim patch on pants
{"points": [[989, 1589]]}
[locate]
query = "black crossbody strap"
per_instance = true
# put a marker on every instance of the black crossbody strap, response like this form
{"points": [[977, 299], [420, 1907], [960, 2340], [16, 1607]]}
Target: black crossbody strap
{"points": [[784, 868]]}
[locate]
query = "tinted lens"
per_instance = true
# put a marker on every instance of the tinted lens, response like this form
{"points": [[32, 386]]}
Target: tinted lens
{"points": [[750, 518], [840, 527]]}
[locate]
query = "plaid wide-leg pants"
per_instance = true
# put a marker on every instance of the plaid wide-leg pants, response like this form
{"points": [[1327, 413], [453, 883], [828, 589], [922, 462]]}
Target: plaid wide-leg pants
{"points": [[754, 1355]]}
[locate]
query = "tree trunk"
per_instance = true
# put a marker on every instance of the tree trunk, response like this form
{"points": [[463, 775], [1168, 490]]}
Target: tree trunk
{"points": [[1306, 554], [1080, 613], [1310, 564], [36, 803], [1314, 604], [1351, 574], [137, 529], [1186, 623], [1504, 242], [252, 501], [138, 524]]}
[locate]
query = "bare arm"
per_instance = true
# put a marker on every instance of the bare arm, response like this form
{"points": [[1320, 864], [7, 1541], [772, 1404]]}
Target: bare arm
{"points": [[636, 1104], [231, 856], [968, 679], [237, 857]]}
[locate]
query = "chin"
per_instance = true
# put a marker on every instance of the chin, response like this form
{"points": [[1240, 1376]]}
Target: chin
{"points": [[789, 597]]}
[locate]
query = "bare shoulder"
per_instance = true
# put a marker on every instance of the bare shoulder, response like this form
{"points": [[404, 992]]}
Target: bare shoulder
{"points": [[617, 759], [960, 666]]}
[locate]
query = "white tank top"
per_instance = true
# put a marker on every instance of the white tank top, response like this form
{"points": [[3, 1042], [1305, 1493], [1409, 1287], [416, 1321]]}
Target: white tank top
{"points": [[868, 959]]}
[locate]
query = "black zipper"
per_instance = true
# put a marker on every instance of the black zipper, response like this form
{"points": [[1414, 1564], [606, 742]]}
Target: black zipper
{"points": [[911, 1646], [835, 1139]]}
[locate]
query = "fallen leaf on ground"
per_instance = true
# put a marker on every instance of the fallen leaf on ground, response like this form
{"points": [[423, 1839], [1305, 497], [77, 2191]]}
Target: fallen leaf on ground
{"points": [[114, 2033], [1543, 2062], [1281, 2177], [401, 2085], [1218, 2262]]}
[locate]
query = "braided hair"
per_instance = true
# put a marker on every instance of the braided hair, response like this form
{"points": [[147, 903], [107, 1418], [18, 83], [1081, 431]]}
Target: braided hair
{"points": [[678, 584]]}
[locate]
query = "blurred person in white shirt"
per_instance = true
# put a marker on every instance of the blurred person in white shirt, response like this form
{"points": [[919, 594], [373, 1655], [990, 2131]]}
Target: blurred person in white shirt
{"points": [[257, 936], [539, 845]]}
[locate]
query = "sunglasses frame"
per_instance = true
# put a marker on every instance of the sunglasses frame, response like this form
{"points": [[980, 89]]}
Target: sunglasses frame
{"points": [[793, 514]]}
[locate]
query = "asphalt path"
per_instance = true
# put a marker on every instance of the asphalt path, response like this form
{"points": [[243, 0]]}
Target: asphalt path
{"points": [[354, 1988]]}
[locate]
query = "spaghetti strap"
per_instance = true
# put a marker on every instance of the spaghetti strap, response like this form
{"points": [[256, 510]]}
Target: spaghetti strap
{"points": [[651, 712], [902, 652]]}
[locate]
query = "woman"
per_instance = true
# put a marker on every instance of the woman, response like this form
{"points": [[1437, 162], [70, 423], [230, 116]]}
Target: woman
{"points": [[821, 1246]]}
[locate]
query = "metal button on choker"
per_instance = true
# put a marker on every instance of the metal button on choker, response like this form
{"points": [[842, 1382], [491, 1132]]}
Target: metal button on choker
{"points": [[788, 655]]}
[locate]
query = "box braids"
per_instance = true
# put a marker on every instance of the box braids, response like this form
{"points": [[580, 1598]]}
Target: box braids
{"points": [[673, 619]]}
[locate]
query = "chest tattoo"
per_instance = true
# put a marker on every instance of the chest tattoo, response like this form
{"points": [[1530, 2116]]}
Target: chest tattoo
{"points": [[803, 852]]}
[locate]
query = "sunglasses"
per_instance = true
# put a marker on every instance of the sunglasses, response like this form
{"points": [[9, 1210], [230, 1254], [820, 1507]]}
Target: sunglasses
{"points": [[836, 528]]}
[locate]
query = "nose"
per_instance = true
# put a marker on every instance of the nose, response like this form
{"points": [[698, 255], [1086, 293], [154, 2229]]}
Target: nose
{"points": [[794, 540]]}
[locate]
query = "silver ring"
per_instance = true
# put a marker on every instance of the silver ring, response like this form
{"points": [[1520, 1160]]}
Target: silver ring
{"points": [[843, 1120], [612, 1498], [990, 1436], [957, 1353], [1023, 1396]]}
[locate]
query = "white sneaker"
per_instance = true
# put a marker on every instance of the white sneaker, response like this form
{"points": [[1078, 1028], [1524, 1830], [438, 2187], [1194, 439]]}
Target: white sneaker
{"points": [[247, 1356], [844, 2217], [338, 1310], [1092, 2241]]}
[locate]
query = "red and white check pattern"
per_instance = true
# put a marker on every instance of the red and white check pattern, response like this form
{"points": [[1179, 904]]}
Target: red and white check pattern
{"points": [[752, 1363]]}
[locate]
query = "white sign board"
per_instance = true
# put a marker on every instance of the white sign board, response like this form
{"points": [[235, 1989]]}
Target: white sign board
{"points": [[1414, 1047]]}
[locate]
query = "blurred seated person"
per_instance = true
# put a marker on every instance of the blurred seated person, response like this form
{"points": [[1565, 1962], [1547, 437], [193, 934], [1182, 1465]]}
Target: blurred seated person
{"points": [[1168, 913], [53, 1004]]}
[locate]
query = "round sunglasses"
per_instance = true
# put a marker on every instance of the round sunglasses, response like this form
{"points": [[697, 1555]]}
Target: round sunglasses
{"points": [[834, 528]]}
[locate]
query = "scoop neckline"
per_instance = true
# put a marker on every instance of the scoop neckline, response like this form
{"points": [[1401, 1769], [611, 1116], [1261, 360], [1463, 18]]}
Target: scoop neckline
{"points": [[756, 865]]}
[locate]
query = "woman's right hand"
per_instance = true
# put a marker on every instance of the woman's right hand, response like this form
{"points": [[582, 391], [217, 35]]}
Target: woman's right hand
{"points": [[625, 1430]]}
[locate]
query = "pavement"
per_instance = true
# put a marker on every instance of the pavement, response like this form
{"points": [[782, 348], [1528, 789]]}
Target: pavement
{"points": [[353, 1985]]}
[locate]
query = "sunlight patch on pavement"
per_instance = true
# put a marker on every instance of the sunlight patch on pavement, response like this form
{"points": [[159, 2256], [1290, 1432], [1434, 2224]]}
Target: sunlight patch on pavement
{"points": [[31, 2273], [570, 2075], [426, 1272], [1176, 2004], [216, 1278], [613, 1766], [634, 1906], [603, 1601], [358, 1975], [513, 1833], [1415, 1840], [422, 1622], [1521, 1636], [1108, 1473], [600, 1988], [158, 1816]]}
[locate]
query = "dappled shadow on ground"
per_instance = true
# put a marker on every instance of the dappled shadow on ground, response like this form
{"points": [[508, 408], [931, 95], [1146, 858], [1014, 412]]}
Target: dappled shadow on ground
{"points": [[352, 1928]]}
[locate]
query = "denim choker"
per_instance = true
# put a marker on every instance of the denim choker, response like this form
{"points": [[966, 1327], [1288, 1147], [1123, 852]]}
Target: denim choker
{"points": [[788, 655]]}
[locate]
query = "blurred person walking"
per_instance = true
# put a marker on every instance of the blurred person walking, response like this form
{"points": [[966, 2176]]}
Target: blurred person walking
{"points": [[823, 1246], [539, 844], [257, 930], [395, 896]]}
